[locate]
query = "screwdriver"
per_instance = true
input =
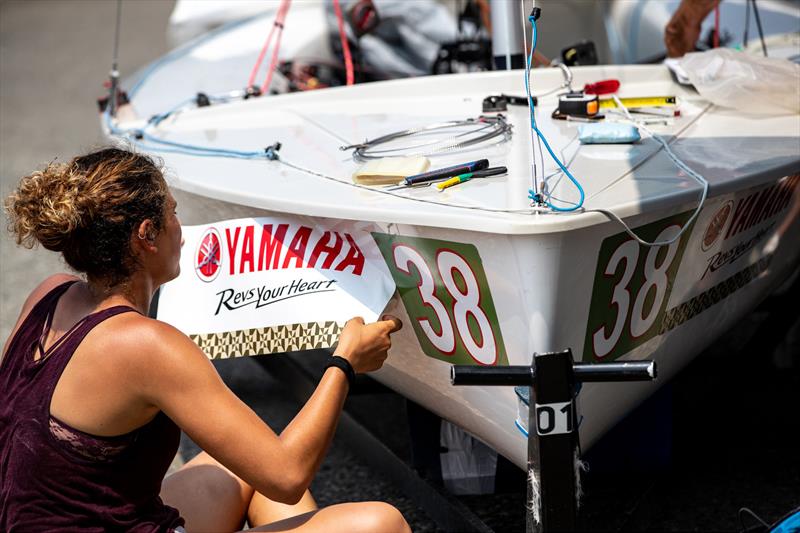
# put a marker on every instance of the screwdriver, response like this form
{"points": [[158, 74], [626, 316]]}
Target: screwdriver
{"points": [[461, 178]]}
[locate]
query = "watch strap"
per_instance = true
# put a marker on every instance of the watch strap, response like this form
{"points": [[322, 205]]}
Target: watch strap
{"points": [[344, 365]]}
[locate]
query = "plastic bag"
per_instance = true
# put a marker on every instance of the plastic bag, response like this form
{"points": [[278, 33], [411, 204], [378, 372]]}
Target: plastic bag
{"points": [[745, 82]]}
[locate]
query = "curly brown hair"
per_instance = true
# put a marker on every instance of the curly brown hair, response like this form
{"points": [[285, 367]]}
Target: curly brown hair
{"points": [[87, 210]]}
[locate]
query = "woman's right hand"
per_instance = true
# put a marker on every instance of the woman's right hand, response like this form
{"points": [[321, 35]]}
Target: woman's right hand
{"points": [[365, 346]]}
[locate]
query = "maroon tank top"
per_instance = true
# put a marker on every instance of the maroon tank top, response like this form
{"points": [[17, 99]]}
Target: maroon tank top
{"points": [[54, 477]]}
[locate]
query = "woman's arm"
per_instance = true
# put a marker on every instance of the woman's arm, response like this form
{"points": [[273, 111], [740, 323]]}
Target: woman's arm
{"points": [[177, 378], [365, 347], [683, 29]]}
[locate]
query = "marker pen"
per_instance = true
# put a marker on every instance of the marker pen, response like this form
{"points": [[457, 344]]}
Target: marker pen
{"points": [[469, 175], [447, 172]]}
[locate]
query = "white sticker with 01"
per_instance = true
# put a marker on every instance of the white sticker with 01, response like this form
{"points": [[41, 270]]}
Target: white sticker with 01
{"points": [[554, 418]]}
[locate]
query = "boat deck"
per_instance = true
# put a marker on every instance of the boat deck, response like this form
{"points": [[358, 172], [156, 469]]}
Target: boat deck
{"points": [[726, 146]]}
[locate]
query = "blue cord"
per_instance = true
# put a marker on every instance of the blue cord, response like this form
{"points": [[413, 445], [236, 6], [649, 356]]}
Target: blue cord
{"points": [[531, 193], [180, 148]]}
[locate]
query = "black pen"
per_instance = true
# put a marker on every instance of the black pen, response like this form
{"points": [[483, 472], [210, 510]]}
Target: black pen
{"points": [[442, 173]]}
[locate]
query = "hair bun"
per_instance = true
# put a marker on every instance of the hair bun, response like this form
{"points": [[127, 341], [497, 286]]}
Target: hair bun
{"points": [[47, 207], [89, 209]]}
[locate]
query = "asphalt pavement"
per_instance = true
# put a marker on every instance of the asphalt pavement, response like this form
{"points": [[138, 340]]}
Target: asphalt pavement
{"points": [[688, 460]]}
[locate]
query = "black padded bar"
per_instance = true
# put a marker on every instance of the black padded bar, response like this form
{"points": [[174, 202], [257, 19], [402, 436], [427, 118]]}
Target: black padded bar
{"points": [[522, 375], [491, 375], [627, 371]]}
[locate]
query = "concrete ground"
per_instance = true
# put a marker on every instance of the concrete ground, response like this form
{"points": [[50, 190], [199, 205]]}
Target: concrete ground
{"points": [[54, 57]]}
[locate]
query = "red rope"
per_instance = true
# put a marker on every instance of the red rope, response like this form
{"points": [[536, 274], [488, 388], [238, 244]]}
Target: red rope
{"points": [[280, 16], [348, 60], [716, 26]]}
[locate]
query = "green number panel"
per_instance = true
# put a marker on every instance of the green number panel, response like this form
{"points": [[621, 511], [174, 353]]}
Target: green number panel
{"points": [[444, 290], [632, 286]]}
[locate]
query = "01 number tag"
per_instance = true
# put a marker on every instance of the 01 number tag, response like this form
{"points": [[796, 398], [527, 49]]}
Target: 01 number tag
{"points": [[555, 418]]}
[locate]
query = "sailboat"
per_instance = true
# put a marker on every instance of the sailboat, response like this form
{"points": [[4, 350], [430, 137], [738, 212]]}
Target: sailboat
{"points": [[637, 260]]}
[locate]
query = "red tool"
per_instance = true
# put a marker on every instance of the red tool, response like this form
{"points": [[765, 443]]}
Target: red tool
{"points": [[602, 87]]}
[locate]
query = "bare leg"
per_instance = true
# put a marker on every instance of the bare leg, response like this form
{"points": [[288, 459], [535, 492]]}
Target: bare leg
{"points": [[362, 517], [212, 498], [208, 495], [262, 510]]}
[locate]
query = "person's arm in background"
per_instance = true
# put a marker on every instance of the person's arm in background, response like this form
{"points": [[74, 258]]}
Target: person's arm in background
{"points": [[683, 29]]}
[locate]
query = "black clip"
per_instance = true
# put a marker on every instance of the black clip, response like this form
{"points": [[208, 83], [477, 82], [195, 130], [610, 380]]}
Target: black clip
{"points": [[202, 100], [271, 152], [252, 92]]}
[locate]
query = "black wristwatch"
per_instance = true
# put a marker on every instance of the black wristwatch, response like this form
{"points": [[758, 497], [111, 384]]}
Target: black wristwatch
{"points": [[345, 366]]}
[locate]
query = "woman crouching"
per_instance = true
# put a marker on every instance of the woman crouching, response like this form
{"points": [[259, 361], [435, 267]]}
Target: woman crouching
{"points": [[93, 394]]}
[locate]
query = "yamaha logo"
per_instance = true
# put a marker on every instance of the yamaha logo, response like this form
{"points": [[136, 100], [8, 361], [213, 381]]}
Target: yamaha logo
{"points": [[717, 224], [208, 256]]}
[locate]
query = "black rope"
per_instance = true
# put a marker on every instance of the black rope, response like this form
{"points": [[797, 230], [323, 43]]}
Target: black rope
{"points": [[116, 35], [114, 74], [760, 30], [744, 511], [746, 23]]}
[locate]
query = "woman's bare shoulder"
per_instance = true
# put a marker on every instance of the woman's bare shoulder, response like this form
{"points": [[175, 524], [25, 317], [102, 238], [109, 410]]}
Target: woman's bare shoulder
{"points": [[138, 332], [156, 358], [33, 298], [152, 344], [49, 283], [40, 291]]}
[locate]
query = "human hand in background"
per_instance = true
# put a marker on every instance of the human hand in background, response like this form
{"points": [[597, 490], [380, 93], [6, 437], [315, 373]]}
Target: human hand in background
{"points": [[683, 29], [366, 346]]}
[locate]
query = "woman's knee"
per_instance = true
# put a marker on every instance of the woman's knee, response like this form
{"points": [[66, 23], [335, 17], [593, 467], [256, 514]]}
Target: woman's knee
{"points": [[371, 517]]}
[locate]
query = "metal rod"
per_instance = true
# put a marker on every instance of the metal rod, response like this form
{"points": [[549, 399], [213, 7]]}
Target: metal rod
{"points": [[114, 74], [491, 375], [522, 375], [627, 371]]}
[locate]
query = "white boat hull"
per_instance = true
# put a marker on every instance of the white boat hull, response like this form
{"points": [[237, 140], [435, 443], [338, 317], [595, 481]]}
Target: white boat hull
{"points": [[555, 291], [482, 277]]}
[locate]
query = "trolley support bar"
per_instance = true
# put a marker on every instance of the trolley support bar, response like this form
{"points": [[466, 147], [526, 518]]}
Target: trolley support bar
{"points": [[553, 446], [511, 376]]}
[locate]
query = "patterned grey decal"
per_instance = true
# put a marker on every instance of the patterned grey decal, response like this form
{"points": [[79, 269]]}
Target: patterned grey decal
{"points": [[276, 339], [691, 308]]}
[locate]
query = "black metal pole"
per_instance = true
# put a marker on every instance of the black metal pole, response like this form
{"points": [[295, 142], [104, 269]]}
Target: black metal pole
{"points": [[522, 375], [553, 443], [552, 419]]}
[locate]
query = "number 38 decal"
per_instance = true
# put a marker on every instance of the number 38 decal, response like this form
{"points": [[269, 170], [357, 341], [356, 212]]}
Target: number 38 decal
{"points": [[631, 288], [444, 290]]}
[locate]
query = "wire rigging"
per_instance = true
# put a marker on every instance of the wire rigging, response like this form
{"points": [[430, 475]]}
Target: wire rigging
{"points": [[533, 194], [746, 22], [348, 59], [680, 164], [114, 74], [278, 23], [760, 29], [478, 130]]}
